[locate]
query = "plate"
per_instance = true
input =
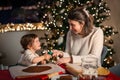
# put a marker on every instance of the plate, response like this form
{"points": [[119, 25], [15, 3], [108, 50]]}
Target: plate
{"points": [[103, 71], [57, 77]]}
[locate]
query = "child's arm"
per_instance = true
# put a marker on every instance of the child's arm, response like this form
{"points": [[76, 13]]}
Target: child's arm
{"points": [[41, 58]]}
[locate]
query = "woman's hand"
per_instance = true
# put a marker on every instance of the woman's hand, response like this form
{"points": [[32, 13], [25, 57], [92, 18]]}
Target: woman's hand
{"points": [[57, 53], [63, 60]]}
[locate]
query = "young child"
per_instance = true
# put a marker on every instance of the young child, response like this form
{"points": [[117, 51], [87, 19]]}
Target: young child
{"points": [[30, 44]]}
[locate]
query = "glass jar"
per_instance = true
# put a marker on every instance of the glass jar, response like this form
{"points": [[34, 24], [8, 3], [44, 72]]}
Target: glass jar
{"points": [[89, 66]]}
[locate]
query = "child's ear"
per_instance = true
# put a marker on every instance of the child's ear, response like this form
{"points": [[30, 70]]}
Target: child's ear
{"points": [[28, 46]]}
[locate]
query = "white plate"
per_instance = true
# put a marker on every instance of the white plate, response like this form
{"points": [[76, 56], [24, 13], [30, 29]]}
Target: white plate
{"points": [[57, 77]]}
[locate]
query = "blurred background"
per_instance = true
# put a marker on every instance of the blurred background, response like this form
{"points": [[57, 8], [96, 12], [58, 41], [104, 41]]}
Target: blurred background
{"points": [[19, 17]]}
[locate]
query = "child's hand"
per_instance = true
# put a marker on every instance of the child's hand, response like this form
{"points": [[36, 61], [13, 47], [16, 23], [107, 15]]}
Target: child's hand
{"points": [[43, 62], [47, 56]]}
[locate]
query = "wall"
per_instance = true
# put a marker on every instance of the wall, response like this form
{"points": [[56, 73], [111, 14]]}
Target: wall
{"points": [[115, 21]]}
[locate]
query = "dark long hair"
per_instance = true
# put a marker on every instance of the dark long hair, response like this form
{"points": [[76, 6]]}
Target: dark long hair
{"points": [[79, 14]]}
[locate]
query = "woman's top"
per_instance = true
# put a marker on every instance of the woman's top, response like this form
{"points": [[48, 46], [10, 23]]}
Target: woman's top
{"points": [[78, 46], [27, 57]]}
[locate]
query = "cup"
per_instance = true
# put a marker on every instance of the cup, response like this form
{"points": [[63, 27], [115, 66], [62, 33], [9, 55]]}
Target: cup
{"points": [[89, 66]]}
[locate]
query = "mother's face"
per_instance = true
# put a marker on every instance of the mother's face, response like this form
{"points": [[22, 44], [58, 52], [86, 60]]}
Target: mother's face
{"points": [[76, 26]]}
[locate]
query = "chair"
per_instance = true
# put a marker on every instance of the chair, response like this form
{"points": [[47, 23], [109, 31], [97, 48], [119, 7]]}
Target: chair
{"points": [[104, 53], [115, 69]]}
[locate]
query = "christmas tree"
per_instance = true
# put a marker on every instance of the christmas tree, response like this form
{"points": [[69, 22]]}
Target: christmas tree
{"points": [[55, 20]]}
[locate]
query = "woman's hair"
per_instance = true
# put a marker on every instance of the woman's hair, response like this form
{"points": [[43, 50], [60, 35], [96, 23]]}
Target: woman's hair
{"points": [[80, 14], [27, 40]]}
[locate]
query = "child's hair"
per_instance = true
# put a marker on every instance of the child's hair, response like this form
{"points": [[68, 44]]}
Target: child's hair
{"points": [[27, 40]]}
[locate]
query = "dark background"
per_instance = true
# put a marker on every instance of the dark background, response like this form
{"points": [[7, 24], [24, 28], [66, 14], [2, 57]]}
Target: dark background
{"points": [[20, 15]]}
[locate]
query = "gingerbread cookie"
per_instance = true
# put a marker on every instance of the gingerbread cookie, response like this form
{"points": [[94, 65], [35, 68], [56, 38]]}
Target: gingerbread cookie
{"points": [[36, 69], [103, 71]]}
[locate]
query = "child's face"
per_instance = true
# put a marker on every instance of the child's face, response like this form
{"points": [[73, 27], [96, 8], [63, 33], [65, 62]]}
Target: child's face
{"points": [[36, 44]]}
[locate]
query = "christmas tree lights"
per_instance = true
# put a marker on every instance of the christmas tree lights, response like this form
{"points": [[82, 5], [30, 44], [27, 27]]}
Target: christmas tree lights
{"points": [[57, 23]]}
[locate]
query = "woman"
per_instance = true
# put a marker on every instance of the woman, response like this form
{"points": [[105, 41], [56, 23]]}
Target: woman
{"points": [[30, 44], [83, 38]]}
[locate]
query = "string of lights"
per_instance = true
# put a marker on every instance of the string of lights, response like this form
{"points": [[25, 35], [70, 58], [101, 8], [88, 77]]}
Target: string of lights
{"points": [[21, 27]]}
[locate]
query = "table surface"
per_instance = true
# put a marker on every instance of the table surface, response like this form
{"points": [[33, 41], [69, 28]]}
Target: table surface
{"points": [[5, 75]]}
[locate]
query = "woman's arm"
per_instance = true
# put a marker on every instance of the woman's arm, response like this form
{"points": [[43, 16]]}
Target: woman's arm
{"points": [[97, 45]]}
